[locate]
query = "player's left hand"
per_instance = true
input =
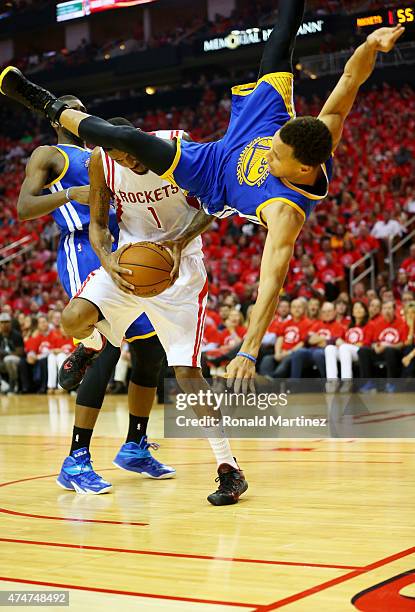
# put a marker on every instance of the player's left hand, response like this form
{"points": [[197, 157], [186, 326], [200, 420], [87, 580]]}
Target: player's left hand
{"points": [[240, 374], [384, 39], [176, 247]]}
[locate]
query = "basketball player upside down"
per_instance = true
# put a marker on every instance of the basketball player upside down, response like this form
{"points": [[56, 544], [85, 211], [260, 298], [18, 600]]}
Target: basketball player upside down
{"points": [[270, 166]]}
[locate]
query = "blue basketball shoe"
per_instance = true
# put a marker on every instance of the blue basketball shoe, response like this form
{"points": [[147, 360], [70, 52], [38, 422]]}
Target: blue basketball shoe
{"points": [[137, 458], [78, 475]]}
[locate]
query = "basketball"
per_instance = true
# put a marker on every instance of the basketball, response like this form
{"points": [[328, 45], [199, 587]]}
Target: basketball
{"points": [[150, 264]]}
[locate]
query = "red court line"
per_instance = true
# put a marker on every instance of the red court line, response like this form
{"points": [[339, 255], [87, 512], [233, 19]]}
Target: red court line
{"points": [[130, 593], [70, 519], [179, 555], [330, 583]]}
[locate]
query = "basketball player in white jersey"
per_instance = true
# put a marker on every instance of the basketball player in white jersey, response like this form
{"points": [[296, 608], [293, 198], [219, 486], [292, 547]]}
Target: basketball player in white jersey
{"points": [[149, 209]]}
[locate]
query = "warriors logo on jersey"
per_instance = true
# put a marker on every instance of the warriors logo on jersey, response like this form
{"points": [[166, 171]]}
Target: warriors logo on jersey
{"points": [[253, 168]]}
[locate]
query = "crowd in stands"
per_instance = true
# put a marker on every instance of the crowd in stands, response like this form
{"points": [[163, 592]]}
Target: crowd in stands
{"points": [[371, 201], [187, 32]]}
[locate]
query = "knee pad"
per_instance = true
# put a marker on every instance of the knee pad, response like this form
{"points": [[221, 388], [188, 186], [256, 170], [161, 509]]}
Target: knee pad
{"points": [[147, 357]]}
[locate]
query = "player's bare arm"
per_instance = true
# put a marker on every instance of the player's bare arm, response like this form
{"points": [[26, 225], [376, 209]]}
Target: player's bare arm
{"points": [[284, 225], [200, 223], [99, 233], [357, 70], [44, 165]]}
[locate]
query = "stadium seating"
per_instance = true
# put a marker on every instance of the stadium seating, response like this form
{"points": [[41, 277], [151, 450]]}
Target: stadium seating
{"points": [[375, 172]]}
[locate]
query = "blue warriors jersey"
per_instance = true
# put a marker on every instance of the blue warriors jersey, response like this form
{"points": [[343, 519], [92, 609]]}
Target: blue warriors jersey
{"points": [[76, 258], [232, 176]]}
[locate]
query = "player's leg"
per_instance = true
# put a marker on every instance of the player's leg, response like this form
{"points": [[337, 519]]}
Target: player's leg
{"points": [[77, 473], [178, 317], [155, 153], [147, 357], [278, 52], [232, 482], [79, 319]]}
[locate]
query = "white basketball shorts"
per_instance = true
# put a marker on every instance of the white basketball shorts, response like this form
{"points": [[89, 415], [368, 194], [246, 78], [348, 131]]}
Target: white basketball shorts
{"points": [[177, 314]]}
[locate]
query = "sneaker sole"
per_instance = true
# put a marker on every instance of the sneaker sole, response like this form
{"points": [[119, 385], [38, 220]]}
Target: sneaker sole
{"points": [[229, 502], [79, 491], [163, 477]]}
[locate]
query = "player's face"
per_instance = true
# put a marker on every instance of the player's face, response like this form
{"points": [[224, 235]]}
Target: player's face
{"points": [[280, 159], [127, 161]]}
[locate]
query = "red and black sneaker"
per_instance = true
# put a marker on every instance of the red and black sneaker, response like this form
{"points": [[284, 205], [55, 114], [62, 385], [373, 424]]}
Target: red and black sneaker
{"points": [[232, 485], [74, 367]]}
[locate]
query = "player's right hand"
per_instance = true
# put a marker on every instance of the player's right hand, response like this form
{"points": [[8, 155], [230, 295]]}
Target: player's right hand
{"points": [[176, 247], [384, 39], [80, 194], [112, 267]]}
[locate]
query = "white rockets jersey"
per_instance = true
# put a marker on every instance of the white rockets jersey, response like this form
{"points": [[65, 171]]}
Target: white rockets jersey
{"points": [[148, 207]]}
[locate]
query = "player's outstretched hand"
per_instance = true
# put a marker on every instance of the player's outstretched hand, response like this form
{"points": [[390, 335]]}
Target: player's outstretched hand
{"points": [[80, 194], [176, 247], [240, 375], [384, 39], [111, 265]]}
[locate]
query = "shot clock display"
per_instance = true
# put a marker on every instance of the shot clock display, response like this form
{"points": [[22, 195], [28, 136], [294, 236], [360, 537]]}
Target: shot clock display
{"points": [[388, 17]]}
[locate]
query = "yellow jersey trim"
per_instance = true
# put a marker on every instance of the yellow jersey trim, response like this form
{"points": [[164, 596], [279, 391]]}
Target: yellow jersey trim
{"points": [[74, 146], [311, 196], [243, 90], [143, 337], [271, 201], [282, 82], [168, 175], [65, 167]]}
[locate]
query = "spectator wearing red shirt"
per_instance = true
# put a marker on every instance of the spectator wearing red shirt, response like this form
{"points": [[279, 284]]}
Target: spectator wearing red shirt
{"points": [[408, 264], [321, 333], [312, 309], [61, 346], [229, 340], [375, 307], [37, 347], [342, 310], [291, 336], [347, 347], [408, 359], [309, 286], [385, 338]]}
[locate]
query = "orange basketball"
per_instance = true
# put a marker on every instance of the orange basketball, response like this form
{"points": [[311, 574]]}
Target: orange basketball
{"points": [[150, 265]]}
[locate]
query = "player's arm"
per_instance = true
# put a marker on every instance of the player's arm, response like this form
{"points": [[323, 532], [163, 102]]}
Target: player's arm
{"points": [[99, 234], [200, 223], [41, 166], [284, 225], [357, 70]]}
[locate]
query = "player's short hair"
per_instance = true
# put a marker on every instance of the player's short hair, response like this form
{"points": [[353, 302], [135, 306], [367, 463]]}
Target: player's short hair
{"points": [[120, 121], [68, 98], [310, 138]]}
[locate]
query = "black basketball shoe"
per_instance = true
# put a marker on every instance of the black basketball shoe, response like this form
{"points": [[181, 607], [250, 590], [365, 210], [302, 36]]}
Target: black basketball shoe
{"points": [[16, 86], [232, 484], [74, 367]]}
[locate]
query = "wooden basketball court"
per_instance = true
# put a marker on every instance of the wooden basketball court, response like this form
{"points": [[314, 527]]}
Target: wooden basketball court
{"points": [[322, 522]]}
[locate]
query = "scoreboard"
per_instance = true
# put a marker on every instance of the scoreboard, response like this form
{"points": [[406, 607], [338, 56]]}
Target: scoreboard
{"points": [[73, 9], [388, 17]]}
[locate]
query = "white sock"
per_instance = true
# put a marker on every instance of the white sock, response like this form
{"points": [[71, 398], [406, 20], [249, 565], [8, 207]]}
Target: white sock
{"points": [[94, 341], [220, 446]]}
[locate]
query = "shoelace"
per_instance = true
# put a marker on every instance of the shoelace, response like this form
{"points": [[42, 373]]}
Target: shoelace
{"points": [[152, 445], [89, 474], [226, 481]]}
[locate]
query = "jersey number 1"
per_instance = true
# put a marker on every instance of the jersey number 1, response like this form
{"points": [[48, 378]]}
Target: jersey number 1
{"points": [[153, 212]]}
